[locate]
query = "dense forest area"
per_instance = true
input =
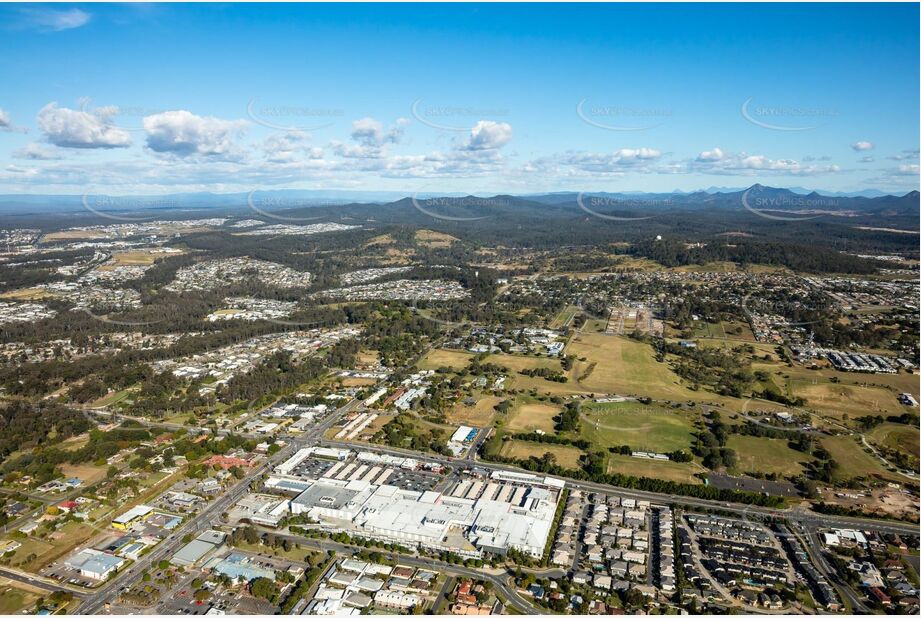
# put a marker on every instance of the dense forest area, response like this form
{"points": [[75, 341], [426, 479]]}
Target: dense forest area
{"points": [[24, 424], [672, 252]]}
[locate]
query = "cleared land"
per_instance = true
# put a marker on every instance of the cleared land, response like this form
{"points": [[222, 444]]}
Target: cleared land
{"points": [[665, 470], [113, 398], [87, 473], [480, 414], [628, 264], [384, 239], [626, 367], [646, 428], [72, 235], [14, 600], [368, 358], [709, 267], [564, 317], [75, 442], [528, 416], [139, 257], [841, 398], [852, 394], [566, 456], [904, 438], [454, 359], [431, 238], [734, 331], [27, 294], [349, 382], [52, 547], [853, 461], [766, 455], [228, 312], [515, 363]]}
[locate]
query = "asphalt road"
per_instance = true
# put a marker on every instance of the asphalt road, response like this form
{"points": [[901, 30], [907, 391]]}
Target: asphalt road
{"points": [[41, 582]]}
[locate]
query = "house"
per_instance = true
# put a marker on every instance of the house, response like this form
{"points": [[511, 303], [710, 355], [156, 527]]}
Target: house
{"points": [[749, 597], [881, 597], [581, 578], [209, 486], [67, 506], [29, 527], [396, 600]]}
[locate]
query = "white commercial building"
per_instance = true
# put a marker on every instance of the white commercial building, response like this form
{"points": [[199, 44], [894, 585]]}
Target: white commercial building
{"points": [[467, 526]]}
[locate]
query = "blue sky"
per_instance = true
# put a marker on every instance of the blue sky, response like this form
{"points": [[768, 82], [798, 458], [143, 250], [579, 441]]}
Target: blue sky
{"points": [[457, 97]]}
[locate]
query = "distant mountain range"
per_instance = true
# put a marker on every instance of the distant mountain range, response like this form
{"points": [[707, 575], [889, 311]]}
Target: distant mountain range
{"points": [[768, 198]]}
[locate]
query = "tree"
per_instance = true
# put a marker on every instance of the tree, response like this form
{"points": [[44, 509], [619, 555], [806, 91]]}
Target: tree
{"points": [[262, 587]]}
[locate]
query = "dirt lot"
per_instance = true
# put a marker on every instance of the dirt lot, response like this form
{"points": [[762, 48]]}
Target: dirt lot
{"points": [[85, 472], [453, 359], [526, 417], [567, 456], [480, 414]]}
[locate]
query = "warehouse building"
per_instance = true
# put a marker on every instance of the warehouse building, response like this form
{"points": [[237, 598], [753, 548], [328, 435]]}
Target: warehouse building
{"points": [[198, 548], [132, 516], [519, 518], [94, 564]]}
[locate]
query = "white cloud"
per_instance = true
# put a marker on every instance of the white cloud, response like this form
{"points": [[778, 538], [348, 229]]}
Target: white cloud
{"points": [[744, 164], [5, 123], [862, 145], [182, 133], [370, 132], [488, 135], [580, 164], [710, 155], [908, 170], [289, 147], [760, 162], [371, 139], [54, 20], [69, 128], [36, 152], [628, 155], [905, 155], [866, 159]]}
